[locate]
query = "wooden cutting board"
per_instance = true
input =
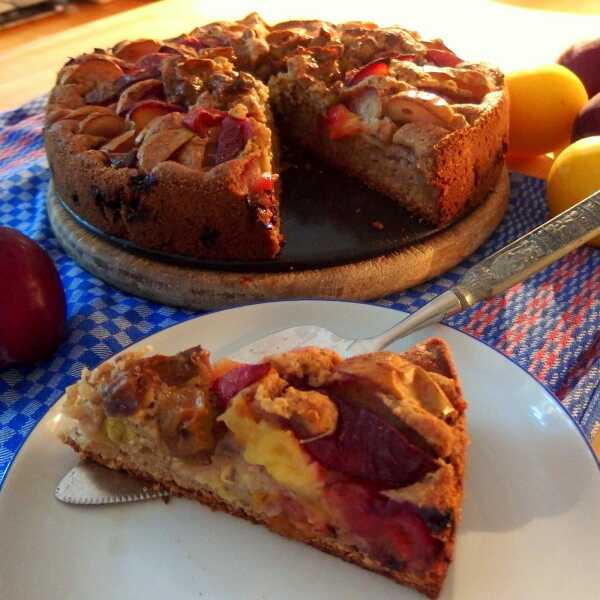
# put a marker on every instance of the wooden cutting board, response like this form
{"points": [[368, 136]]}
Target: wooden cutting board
{"points": [[198, 288]]}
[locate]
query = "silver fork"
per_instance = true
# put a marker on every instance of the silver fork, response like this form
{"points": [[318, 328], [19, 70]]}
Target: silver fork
{"points": [[512, 264]]}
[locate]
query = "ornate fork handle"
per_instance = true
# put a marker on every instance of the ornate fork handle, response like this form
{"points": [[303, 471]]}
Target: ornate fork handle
{"points": [[532, 252], [512, 264]]}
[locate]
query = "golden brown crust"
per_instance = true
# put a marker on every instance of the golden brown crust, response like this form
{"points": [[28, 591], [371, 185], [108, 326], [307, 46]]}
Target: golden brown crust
{"points": [[467, 162], [434, 355]]}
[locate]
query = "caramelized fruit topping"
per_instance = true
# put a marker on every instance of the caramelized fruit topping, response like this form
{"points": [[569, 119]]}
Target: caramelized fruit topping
{"points": [[378, 68], [146, 111], [152, 62], [265, 183], [199, 119], [342, 122], [367, 447], [232, 138], [396, 532], [235, 380], [121, 396], [443, 58]]}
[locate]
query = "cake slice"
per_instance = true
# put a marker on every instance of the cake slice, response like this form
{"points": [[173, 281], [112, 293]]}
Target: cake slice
{"points": [[362, 458], [404, 115], [168, 146]]}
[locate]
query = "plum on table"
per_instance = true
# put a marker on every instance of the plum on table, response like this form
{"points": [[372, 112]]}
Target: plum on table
{"points": [[583, 58], [587, 122], [32, 302]]}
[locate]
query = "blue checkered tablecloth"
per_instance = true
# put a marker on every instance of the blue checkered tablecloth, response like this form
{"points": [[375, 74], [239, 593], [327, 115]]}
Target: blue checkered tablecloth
{"points": [[550, 325]]}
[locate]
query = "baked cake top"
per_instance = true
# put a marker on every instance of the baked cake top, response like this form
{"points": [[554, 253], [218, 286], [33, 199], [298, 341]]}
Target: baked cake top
{"points": [[336, 409], [199, 88], [171, 144]]}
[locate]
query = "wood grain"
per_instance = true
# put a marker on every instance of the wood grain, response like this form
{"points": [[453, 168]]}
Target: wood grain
{"points": [[203, 289], [75, 14]]}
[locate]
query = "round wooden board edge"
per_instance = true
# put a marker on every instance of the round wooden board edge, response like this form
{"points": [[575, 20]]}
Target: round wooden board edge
{"points": [[199, 289]]}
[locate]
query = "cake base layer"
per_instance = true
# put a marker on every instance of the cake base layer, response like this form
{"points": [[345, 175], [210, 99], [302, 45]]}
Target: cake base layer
{"points": [[198, 288], [428, 586]]}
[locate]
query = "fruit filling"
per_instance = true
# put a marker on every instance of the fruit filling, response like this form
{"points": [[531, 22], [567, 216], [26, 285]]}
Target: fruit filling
{"points": [[395, 532], [360, 454], [365, 447]]}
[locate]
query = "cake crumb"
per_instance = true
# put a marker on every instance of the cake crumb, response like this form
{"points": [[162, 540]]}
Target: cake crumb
{"points": [[239, 111]]}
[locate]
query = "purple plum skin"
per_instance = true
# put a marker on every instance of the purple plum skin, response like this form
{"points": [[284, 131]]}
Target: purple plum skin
{"points": [[583, 58], [587, 122]]}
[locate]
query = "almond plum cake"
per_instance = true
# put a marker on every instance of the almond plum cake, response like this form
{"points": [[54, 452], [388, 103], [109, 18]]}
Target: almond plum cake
{"points": [[172, 145], [362, 458]]}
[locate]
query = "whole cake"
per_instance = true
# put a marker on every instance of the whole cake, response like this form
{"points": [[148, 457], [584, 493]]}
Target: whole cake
{"points": [[172, 145], [362, 458]]}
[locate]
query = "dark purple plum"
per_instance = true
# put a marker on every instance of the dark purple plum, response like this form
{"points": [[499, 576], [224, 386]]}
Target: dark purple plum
{"points": [[32, 301], [232, 138], [121, 397], [396, 531], [583, 58], [199, 119], [587, 122], [227, 386], [367, 447]]}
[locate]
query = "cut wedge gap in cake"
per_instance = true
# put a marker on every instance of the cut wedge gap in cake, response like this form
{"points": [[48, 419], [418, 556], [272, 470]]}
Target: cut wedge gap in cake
{"points": [[362, 458]]}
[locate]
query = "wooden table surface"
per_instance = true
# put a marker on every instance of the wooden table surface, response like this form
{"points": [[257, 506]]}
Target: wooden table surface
{"points": [[77, 12], [504, 33], [513, 34]]}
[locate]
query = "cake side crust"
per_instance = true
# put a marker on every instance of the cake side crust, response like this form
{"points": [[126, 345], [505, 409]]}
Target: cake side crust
{"points": [[468, 162], [211, 217]]}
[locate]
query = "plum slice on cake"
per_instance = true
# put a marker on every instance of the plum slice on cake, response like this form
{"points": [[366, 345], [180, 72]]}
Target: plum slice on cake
{"points": [[169, 146], [363, 458]]}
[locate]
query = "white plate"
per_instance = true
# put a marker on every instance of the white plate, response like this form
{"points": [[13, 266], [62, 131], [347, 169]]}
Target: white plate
{"points": [[531, 524]]}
